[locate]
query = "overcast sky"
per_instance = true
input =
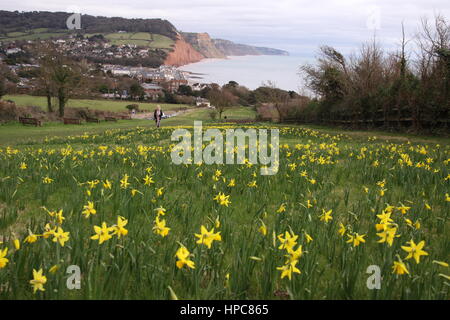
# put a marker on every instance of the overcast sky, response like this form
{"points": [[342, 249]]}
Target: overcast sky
{"points": [[297, 26]]}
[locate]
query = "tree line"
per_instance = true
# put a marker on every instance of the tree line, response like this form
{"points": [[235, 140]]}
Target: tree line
{"points": [[409, 87]]}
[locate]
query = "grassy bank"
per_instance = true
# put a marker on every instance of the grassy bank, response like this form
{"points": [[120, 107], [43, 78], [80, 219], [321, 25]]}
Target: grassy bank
{"points": [[12, 133], [100, 104]]}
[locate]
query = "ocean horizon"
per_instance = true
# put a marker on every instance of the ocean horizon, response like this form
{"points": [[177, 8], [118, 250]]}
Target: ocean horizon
{"points": [[250, 71]]}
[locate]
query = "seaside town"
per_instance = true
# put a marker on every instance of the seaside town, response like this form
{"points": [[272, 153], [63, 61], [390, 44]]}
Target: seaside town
{"points": [[153, 81]]}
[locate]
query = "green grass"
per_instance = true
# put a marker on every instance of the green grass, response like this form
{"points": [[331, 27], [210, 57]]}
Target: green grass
{"points": [[139, 43], [15, 34], [160, 41], [100, 104], [39, 30], [391, 136], [143, 39], [328, 170], [12, 133], [235, 113], [35, 34], [141, 36]]}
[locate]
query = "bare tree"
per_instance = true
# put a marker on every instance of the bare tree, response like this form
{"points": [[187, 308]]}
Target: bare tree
{"points": [[2, 87], [46, 53], [59, 76], [278, 97], [221, 99], [66, 77], [433, 69]]}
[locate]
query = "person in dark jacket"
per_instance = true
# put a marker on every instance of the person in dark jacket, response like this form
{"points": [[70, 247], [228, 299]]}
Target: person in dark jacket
{"points": [[157, 115]]}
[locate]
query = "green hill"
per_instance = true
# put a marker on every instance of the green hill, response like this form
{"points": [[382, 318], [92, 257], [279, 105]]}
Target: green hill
{"points": [[23, 25]]}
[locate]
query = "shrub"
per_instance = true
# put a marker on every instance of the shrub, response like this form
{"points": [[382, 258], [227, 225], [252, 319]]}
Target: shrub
{"points": [[213, 114], [8, 111], [133, 106]]}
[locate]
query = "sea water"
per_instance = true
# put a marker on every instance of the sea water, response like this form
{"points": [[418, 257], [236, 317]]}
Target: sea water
{"points": [[250, 71]]}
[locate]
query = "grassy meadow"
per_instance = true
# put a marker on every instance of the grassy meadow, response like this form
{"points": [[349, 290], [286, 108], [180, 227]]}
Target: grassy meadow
{"points": [[13, 132], [143, 39], [139, 227], [34, 34], [94, 104]]}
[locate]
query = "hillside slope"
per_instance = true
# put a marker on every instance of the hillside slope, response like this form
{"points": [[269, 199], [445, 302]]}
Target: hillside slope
{"points": [[24, 21]]}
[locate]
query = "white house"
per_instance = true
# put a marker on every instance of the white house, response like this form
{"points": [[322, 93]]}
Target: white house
{"points": [[204, 102], [13, 51]]}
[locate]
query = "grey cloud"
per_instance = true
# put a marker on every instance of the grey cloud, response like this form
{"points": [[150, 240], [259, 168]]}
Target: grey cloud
{"points": [[295, 25]]}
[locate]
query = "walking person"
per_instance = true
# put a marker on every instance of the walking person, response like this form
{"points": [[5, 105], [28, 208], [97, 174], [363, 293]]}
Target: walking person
{"points": [[157, 115]]}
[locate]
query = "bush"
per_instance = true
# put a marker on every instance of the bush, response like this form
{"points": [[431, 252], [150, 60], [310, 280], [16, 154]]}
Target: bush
{"points": [[185, 100], [8, 111], [2, 87], [213, 114], [133, 106]]}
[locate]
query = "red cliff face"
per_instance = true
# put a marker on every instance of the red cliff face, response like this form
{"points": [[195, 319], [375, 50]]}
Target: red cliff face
{"points": [[203, 43], [183, 54]]}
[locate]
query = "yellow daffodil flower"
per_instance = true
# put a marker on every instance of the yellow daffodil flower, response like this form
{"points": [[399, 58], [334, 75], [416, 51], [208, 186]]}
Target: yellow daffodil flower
{"points": [[356, 239], [119, 228], [415, 250], [107, 184], [282, 208], [38, 280], [387, 236], [160, 227], [124, 182], [60, 236], [160, 211], [148, 180], [89, 209], [308, 237], [183, 258], [288, 241], [326, 215], [102, 234], [399, 268], [3, 260], [207, 237], [403, 209], [342, 229], [263, 229], [31, 238], [288, 269], [222, 199]]}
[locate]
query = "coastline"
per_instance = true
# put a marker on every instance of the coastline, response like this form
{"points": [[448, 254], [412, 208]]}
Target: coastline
{"points": [[206, 60], [249, 70]]}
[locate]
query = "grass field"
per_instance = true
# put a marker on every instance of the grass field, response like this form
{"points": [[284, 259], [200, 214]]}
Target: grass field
{"points": [[107, 105], [140, 227], [13, 133], [318, 173], [143, 39], [34, 34]]}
